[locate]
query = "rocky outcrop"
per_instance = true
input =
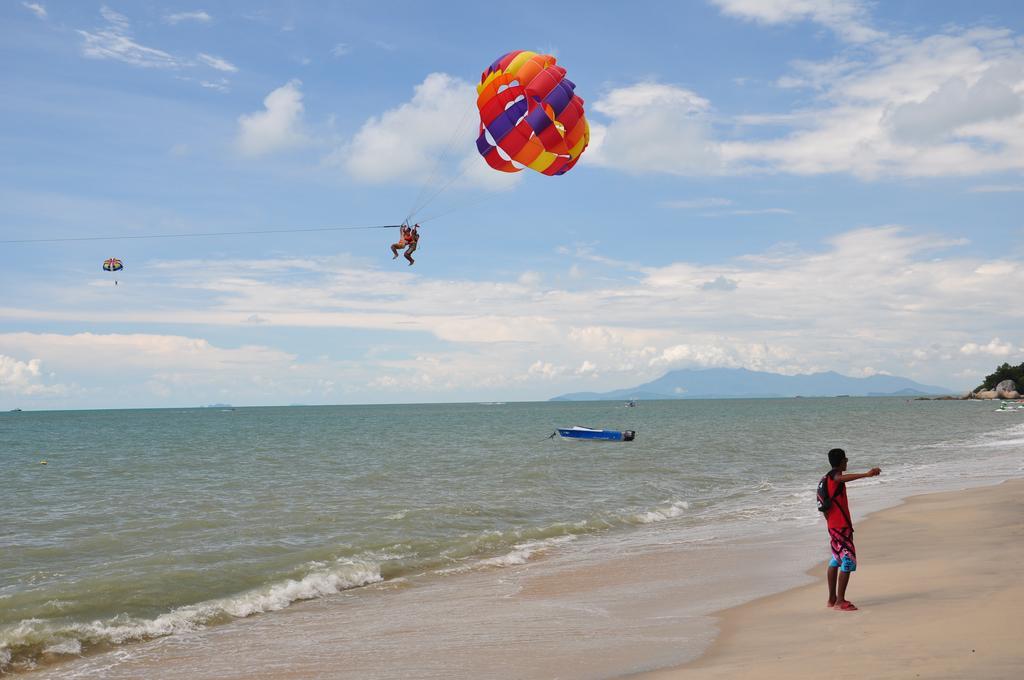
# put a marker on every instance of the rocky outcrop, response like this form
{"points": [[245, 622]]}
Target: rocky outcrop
{"points": [[985, 394], [1007, 389]]}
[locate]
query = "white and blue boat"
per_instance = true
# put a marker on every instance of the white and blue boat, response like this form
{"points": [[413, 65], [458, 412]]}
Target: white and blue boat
{"points": [[577, 432]]}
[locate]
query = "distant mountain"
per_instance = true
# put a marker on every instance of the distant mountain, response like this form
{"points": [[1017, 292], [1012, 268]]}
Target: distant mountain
{"points": [[724, 383]]}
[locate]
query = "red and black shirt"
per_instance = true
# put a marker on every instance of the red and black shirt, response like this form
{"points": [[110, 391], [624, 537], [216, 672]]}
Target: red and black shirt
{"points": [[838, 514]]}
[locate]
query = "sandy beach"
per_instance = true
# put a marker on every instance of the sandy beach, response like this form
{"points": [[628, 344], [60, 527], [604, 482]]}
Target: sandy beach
{"points": [[939, 594]]}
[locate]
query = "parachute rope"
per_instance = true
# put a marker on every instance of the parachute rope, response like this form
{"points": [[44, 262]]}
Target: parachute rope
{"points": [[437, 193], [422, 198], [197, 234], [454, 208]]}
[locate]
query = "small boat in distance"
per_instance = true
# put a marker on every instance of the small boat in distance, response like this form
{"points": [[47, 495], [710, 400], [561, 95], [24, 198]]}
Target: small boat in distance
{"points": [[631, 404], [577, 432]]}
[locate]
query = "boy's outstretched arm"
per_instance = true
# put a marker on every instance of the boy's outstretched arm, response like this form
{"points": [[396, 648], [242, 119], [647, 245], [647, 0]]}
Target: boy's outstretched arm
{"points": [[849, 477]]}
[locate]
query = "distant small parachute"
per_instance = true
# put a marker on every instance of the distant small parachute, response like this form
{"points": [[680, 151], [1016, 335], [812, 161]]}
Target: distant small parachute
{"points": [[113, 265], [529, 115]]}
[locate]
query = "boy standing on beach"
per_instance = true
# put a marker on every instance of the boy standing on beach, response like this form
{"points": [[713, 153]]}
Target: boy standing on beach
{"points": [[840, 529]]}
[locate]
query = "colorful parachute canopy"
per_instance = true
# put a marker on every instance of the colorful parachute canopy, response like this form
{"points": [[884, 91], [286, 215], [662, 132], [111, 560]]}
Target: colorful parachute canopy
{"points": [[529, 115], [112, 265]]}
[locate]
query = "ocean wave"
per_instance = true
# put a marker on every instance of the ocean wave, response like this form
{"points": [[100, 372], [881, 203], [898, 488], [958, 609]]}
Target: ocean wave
{"points": [[675, 509], [520, 554], [524, 541], [22, 644], [997, 438], [66, 647], [1000, 443]]}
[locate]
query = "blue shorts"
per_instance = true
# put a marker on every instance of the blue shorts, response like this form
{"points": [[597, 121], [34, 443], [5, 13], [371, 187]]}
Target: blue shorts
{"points": [[844, 554]]}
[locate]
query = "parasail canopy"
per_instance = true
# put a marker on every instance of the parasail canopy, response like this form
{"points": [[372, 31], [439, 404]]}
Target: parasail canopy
{"points": [[113, 265], [530, 115]]}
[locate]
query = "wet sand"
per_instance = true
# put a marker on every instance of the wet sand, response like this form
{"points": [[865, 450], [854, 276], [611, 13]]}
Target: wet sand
{"points": [[939, 593]]}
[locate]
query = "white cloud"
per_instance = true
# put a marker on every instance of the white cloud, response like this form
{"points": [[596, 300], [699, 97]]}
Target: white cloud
{"points": [[428, 139], [161, 353], [655, 127], [116, 19], [221, 85], [746, 212], [24, 378], [148, 367], [948, 104], [341, 49], [530, 279], [719, 283], [813, 75], [697, 203], [402, 143], [14, 373], [626, 101], [546, 370], [115, 42], [722, 202], [848, 18], [994, 347], [278, 127], [956, 103], [199, 16], [874, 293], [217, 63], [721, 353], [35, 8], [997, 189]]}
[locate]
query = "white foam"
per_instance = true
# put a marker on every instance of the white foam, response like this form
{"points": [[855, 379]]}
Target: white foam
{"points": [[997, 438], [661, 514], [65, 647], [996, 444], [317, 584], [68, 639], [57, 605], [522, 552]]}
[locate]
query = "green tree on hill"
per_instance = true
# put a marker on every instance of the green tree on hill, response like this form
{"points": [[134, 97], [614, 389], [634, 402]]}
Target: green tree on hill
{"points": [[1004, 372]]}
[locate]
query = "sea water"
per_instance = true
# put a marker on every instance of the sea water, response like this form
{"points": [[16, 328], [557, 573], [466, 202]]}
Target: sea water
{"points": [[177, 524]]}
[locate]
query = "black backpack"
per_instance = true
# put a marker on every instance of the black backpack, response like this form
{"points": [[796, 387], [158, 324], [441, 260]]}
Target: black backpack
{"points": [[824, 500]]}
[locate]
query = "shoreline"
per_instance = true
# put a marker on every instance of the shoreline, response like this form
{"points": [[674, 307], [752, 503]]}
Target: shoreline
{"points": [[638, 599], [936, 588]]}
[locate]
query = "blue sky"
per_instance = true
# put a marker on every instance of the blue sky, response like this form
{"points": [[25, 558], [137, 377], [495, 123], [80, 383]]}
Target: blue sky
{"points": [[782, 185]]}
